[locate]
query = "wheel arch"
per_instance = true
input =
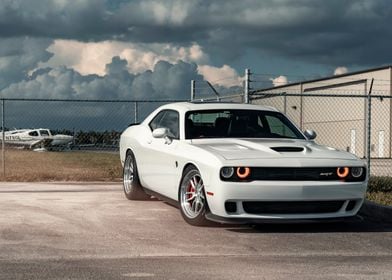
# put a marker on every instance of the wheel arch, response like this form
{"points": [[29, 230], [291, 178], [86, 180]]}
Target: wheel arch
{"points": [[206, 171], [202, 169], [123, 155], [187, 165]]}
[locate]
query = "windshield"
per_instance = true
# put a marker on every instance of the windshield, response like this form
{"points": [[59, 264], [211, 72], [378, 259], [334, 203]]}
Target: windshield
{"points": [[239, 124]]}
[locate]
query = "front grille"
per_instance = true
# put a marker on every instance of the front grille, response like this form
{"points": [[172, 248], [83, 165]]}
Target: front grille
{"points": [[294, 173], [291, 207]]}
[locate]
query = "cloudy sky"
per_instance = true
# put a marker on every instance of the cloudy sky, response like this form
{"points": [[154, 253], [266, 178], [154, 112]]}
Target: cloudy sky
{"points": [[151, 49]]}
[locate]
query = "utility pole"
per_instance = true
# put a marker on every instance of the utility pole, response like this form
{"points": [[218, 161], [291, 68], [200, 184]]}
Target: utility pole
{"points": [[192, 90], [247, 86]]}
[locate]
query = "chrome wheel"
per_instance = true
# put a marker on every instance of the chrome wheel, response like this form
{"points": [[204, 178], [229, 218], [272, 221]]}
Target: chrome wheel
{"points": [[128, 179], [192, 196], [131, 184]]}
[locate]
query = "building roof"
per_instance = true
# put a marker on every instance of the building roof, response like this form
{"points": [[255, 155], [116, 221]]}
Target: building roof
{"points": [[328, 78]]}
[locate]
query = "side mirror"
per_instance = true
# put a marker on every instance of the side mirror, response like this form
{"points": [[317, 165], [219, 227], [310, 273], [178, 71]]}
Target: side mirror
{"points": [[310, 134], [162, 133], [159, 132]]}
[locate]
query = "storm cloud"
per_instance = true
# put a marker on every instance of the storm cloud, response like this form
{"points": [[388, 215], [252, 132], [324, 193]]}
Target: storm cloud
{"points": [[151, 49], [325, 32], [20, 55], [165, 81]]}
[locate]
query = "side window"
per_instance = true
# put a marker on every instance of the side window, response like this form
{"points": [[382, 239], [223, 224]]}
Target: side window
{"points": [[44, 133], [155, 121], [33, 133], [168, 119]]}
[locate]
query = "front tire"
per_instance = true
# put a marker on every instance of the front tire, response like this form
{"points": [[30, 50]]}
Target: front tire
{"points": [[193, 202], [133, 190]]}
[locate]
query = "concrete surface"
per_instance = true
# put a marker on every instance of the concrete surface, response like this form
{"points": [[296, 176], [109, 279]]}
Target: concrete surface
{"points": [[90, 231]]}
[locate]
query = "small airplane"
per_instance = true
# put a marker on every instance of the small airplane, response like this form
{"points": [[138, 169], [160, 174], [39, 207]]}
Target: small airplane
{"points": [[39, 139]]}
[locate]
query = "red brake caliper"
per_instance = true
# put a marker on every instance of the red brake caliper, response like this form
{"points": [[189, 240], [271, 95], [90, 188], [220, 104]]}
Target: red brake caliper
{"points": [[190, 190]]}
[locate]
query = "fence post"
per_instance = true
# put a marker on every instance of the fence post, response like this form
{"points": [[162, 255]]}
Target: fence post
{"points": [[247, 86], [136, 112], [3, 137], [369, 126], [301, 104], [192, 90]]}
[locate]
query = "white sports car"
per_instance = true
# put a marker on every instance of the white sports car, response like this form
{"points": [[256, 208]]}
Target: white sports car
{"points": [[239, 163]]}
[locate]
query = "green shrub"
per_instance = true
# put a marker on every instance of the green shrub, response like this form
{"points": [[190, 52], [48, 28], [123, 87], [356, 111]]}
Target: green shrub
{"points": [[380, 198], [380, 184]]}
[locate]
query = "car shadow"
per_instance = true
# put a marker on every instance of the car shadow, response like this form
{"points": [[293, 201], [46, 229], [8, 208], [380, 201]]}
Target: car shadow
{"points": [[351, 226], [356, 224]]}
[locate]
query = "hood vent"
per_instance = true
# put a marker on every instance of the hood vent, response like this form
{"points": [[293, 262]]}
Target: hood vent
{"points": [[287, 149]]}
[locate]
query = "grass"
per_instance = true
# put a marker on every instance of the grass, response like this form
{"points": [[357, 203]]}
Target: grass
{"points": [[380, 190], [29, 166], [383, 198]]}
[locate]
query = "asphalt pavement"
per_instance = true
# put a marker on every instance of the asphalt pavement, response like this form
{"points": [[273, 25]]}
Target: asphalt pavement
{"points": [[90, 231]]}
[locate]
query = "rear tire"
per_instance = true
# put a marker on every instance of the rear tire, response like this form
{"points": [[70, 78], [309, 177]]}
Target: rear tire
{"points": [[193, 202], [133, 190]]}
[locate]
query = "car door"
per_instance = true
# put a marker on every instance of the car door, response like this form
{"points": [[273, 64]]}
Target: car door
{"points": [[158, 158]]}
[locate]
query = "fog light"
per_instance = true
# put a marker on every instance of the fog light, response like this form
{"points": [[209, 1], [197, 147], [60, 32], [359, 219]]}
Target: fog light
{"points": [[227, 172], [356, 172], [342, 172]]}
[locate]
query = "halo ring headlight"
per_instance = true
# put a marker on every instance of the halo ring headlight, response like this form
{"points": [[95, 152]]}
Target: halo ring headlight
{"points": [[342, 172], [243, 172]]}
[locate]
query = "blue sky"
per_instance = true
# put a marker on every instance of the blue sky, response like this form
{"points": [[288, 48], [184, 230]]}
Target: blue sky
{"points": [[151, 49]]}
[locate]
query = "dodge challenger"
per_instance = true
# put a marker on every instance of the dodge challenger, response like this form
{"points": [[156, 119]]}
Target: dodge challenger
{"points": [[238, 163]]}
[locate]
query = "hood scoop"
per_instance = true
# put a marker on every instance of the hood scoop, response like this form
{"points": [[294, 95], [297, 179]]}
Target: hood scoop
{"points": [[287, 149]]}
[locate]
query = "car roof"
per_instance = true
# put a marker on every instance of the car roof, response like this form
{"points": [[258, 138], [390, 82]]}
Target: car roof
{"points": [[193, 106]]}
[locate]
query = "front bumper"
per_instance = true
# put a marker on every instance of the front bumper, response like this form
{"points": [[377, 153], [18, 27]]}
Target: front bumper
{"points": [[349, 195]]}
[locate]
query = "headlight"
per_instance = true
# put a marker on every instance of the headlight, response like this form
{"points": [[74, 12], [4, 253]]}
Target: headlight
{"points": [[243, 172], [235, 173], [356, 172], [227, 172], [342, 172]]}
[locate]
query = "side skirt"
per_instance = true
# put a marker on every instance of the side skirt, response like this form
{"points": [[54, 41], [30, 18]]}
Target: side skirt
{"points": [[172, 202]]}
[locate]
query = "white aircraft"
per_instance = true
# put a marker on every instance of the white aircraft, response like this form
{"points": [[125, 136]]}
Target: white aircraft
{"points": [[36, 139]]}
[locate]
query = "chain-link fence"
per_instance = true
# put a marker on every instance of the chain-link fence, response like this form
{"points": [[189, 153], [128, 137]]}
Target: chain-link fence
{"points": [[83, 135], [357, 123], [87, 132]]}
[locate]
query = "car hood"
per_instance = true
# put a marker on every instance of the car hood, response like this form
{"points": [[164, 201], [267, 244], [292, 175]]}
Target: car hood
{"points": [[237, 149]]}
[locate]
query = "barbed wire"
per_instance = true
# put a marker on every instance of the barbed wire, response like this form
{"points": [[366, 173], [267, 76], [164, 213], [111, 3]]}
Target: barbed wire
{"points": [[263, 95], [315, 82], [311, 78]]}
